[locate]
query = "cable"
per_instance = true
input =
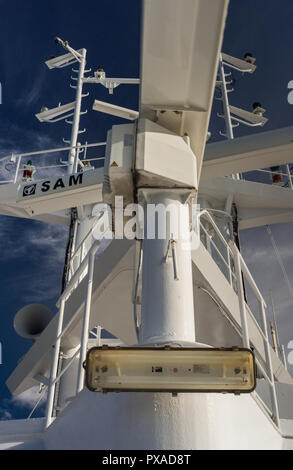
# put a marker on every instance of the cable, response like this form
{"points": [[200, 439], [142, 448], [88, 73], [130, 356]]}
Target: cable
{"points": [[37, 403]]}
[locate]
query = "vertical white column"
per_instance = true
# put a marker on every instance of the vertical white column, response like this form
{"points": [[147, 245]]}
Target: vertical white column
{"points": [[72, 160], [167, 290], [226, 109], [85, 323]]}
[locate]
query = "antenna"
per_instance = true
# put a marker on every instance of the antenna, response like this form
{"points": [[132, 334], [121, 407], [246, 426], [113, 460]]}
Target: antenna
{"points": [[235, 116], [110, 83]]}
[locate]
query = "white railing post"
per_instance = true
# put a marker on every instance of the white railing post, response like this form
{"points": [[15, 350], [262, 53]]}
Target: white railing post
{"points": [[289, 176], [85, 324], [269, 363], [17, 169], [54, 368], [241, 298], [229, 266]]}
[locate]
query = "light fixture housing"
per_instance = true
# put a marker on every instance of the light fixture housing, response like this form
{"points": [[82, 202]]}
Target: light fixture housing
{"points": [[62, 60], [56, 114], [114, 110], [247, 117], [239, 64], [175, 370]]}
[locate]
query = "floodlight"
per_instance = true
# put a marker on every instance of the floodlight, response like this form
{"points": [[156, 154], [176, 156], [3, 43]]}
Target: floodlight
{"points": [[238, 64], [122, 369], [248, 57], [52, 115], [62, 60], [257, 109], [250, 119], [114, 110]]}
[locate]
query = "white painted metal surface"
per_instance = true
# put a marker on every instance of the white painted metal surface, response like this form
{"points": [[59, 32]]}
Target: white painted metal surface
{"points": [[176, 165], [168, 313], [251, 152], [180, 61], [179, 64]]}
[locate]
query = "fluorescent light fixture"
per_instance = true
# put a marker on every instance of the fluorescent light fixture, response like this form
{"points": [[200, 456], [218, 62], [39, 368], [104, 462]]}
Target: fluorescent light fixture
{"points": [[115, 369], [53, 115], [238, 64], [62, 61], [114, 110], [247, 117]]}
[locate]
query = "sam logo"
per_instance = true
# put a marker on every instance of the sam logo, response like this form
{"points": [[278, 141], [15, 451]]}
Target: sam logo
{"points": [[60, 183], [29, 190], [45, 186], [290, 355]]}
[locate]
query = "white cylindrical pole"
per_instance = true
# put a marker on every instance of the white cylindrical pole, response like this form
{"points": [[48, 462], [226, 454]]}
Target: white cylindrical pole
{"points": [[54, 367], [76, 118], [167, 290], [85, 324], [226, 108]]}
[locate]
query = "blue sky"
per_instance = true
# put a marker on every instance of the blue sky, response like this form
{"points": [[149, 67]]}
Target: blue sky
{"points": [[32, 252]]}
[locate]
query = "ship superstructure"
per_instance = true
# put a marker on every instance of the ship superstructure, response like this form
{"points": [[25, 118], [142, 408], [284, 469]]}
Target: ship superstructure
{"points": [[160, 293]]}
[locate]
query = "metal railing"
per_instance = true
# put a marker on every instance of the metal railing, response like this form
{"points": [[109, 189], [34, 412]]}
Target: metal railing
{"points": [[231, 263], [16, 169], [55, 376], [266, 176]]}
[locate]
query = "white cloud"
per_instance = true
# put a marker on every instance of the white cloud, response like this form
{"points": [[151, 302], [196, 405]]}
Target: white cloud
{"points": [[29, 398], [5, 414]]}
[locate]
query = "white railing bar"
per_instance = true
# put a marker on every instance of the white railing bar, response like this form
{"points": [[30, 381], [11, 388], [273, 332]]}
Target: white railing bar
{"points": [[270, 366], [246, 272], [67, 366], [263, 371], [241, 300], [256, 322], [60, 149], [218, 251], [219, 233], [78, 272], [85, 324], [289, 175], [268, 171], [45, 167], [84, 240], [262, 404], [17, 169], [93, 159], [52, 384]]}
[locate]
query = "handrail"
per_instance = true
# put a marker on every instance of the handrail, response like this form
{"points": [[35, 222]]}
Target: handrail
{"points": [[241, 270], [287, 174], [75, 276]]}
